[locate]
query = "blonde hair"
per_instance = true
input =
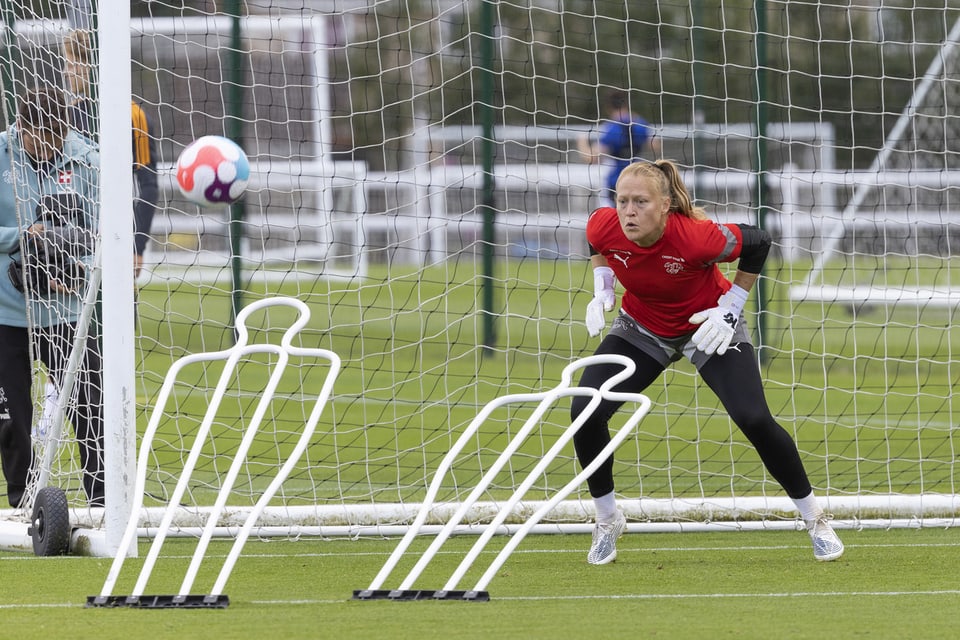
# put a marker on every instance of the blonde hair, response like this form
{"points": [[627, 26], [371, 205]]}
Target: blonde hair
{"points": [[76, 54], [76, 46], [666, 175]]}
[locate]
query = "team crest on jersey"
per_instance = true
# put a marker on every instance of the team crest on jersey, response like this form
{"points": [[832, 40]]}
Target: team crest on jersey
{"points": [[65, 178], [8, 176], [673, 264]]}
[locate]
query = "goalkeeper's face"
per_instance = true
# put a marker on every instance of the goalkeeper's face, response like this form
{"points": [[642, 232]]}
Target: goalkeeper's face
{"points": [[642, 208], [41, 143]]}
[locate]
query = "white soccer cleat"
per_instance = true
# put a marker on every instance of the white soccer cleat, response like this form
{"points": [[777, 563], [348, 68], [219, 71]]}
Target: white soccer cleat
{"points": [[826, 544], [603, 550]]}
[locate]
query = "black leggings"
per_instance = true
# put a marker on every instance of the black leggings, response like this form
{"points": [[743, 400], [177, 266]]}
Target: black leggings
{"points": [[734, 377], [53, 346]]}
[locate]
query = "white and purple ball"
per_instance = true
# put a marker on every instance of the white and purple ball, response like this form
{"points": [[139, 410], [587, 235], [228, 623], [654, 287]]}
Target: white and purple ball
{"points": [[212, 171]]}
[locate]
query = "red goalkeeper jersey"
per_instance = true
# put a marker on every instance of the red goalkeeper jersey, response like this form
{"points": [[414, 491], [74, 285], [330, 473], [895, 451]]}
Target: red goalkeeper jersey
{"points": [[676, 277]]}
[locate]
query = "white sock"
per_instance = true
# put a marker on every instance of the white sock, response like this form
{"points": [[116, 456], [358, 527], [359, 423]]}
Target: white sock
{"points": [[606, 507], [808, 507]]}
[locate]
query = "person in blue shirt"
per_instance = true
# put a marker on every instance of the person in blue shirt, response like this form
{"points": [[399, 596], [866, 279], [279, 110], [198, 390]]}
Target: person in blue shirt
{"points": [[623, 138], [49, 184]]}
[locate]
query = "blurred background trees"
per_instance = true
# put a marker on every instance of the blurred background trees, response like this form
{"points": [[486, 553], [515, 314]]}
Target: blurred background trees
{"points": [[398, 64]]}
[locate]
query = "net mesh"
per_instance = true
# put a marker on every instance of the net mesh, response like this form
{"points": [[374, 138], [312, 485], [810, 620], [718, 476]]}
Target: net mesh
{"points": [[420, 186]]}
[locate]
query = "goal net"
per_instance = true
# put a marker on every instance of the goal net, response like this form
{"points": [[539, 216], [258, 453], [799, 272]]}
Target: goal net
{"points": [[899, 214], [416, 181]]}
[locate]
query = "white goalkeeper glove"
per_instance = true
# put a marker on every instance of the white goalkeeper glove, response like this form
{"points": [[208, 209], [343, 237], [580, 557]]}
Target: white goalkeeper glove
{"points": [[603, 299], [717, 325]]}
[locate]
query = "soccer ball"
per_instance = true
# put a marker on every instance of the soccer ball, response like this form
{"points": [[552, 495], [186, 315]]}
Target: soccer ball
{"points": [[212, 171]]}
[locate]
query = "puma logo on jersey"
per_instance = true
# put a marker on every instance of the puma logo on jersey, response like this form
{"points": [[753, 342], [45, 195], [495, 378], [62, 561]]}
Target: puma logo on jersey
{"points": [[622, 258]]}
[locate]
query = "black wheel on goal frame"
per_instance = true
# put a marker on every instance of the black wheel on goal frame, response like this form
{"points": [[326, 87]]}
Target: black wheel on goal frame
{"points": [[50, 523]]}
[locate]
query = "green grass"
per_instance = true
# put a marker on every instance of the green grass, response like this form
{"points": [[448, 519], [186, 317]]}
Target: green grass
{"points": [[890, 584], [867, 393]]}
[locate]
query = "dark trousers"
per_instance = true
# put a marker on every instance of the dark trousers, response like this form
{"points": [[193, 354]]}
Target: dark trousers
{"points": [[734, 377], [52, 346]]}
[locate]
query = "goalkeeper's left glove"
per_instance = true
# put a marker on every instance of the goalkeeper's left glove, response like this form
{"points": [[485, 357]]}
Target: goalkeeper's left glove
{"points": [[718, 324], [603, 299]]}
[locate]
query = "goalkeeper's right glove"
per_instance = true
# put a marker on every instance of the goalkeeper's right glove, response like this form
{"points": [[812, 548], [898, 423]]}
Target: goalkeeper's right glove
{"points": [[603, 299]]}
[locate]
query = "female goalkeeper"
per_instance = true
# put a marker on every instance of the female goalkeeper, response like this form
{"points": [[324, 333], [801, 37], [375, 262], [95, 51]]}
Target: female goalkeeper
{"points": [[678, 304]]}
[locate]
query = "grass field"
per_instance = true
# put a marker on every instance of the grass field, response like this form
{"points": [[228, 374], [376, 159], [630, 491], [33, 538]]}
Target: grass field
{"points": [[890, 584], [866, 392]]}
